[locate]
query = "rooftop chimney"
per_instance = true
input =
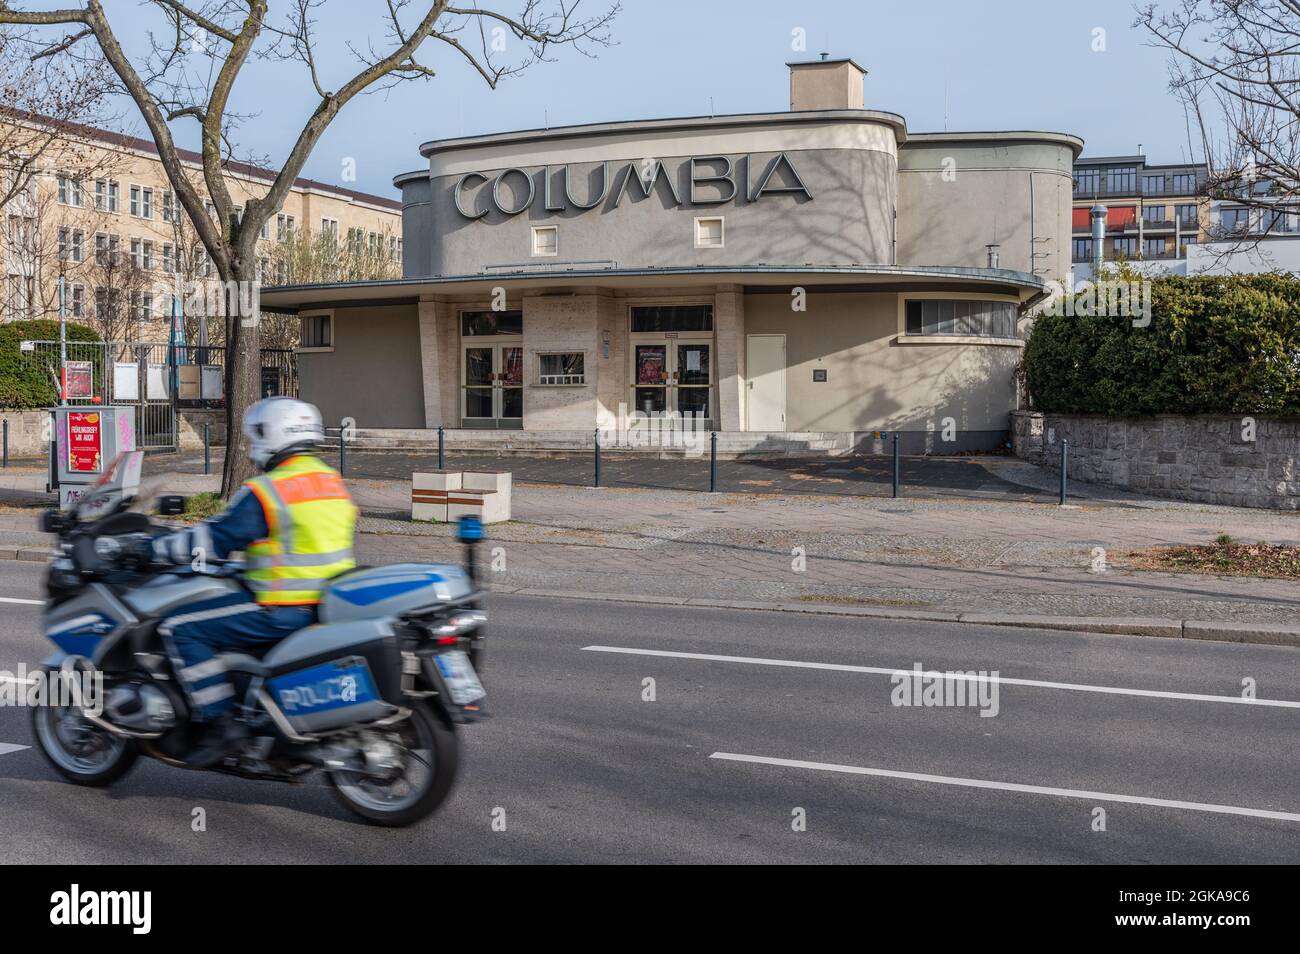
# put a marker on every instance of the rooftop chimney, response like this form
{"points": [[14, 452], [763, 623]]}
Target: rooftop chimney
{"points": [[826, 84]]}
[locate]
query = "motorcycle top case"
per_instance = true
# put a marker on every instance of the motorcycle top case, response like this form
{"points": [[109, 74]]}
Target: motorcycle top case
{"points": [[332, 675], [393, 591]]}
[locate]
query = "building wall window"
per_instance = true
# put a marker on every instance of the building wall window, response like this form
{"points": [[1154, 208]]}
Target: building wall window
{"points": [[546, 240], [661, 318], [284, 227], [72, 245], [1124, 248], [1153, 214], [317, 331], [142, 253], [1087, 181], [709, 232], [561, 368], [1185, 183], [76, 300], [1153, 185], [330, 229], [106, 248], [1234, 220], [106, 195], [475, 324], [1279, 220], [1121, 179], [1081, 250], [1153, 248], [395, 250], [983, 319], [69, 192], [1187, 214], [168, 258], [168, 205], [140, 202]]}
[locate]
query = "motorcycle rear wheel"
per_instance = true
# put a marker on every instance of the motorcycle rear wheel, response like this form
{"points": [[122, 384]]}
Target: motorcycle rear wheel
{"points": [[79, 750], [433, 753]]}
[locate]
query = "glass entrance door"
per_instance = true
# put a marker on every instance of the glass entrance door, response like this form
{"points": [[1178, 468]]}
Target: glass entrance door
{"points": [[672, 375], [493, 388]]}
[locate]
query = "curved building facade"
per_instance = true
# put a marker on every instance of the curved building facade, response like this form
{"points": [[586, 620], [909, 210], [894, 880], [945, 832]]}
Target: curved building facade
{"points": [[815, 270]]}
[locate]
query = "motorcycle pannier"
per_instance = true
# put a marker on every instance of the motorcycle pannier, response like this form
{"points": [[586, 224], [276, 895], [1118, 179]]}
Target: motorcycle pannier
{"points": [[335, 674]]}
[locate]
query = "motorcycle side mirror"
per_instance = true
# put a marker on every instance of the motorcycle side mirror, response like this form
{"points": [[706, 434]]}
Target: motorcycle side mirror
{"points": [[171, 505], [469, 529]]}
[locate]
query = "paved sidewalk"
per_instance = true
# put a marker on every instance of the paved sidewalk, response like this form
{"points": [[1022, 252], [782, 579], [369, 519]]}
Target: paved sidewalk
{"points": [[833, 552]]}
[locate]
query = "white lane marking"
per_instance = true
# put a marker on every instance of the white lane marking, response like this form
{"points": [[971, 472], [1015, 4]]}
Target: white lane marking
{"points": [[20, 601], [7, 747], [1012, 787], [966, 677]]}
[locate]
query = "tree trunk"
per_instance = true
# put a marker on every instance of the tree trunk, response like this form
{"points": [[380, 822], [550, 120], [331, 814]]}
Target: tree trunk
{"points": [[243, 375]]}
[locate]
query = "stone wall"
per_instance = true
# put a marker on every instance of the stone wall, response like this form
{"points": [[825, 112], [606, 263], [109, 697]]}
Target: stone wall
{"points": [[29, 432], [1238, 461], [190, 421], [1027, 435]]}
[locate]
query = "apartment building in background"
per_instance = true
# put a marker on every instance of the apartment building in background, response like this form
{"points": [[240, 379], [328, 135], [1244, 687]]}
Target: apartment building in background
{"points": [[1153, 212], [1158, 214], [101, 213]]}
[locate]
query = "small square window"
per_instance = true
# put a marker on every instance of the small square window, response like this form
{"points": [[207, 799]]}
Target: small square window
{"points": [[561, 368], [545, 240], [317, 331], [708, 232]]}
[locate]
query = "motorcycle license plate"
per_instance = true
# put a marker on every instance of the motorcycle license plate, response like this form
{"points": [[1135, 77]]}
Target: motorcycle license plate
{"points": [[458, 674]]}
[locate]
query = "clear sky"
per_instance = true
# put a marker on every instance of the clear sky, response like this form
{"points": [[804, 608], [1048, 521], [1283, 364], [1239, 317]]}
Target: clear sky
{"points": [[966, 64]]}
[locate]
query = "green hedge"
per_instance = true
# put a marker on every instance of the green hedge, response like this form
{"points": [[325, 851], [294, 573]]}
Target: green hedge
{"points": [[25, 380], [1215, 345]]}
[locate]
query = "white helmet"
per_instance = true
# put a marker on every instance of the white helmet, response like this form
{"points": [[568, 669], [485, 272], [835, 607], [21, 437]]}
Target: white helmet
{"points": [[275, 425]]}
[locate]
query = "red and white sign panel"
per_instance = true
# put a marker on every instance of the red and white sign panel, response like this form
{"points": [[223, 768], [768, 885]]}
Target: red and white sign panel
{"points": [[85, 442]]}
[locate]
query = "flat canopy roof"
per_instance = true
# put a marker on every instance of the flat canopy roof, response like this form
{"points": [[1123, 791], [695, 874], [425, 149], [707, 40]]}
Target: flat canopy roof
{"points": [[756, 279]]}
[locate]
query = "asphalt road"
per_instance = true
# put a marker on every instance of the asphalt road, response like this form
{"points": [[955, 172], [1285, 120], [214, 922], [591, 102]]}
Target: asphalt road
{"points": [[583, 769]]}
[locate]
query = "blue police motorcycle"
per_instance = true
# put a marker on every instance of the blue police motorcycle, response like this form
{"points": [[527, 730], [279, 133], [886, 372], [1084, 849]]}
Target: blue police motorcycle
{"points": [[370, 695]]}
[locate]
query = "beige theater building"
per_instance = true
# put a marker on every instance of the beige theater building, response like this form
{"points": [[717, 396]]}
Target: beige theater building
{"points": [[818, 271]]}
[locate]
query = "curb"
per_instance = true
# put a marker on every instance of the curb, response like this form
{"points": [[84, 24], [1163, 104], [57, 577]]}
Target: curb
{"points": [[1263, 634], [1260, 634]]}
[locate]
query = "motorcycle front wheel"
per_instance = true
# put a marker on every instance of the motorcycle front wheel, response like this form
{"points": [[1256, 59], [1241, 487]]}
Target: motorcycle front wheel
{"points": [[79, 750], [430, 755]]}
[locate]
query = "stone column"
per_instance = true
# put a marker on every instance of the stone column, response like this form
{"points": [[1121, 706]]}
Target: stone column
{"points": [[729, 335], [429, 353], [439, 363]]}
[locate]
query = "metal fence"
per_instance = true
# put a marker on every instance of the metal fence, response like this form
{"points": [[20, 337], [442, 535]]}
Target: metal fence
{"points": [[155, 377]]}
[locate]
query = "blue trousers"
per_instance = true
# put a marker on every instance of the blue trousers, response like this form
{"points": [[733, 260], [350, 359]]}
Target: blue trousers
{"points": [[231, 623]]}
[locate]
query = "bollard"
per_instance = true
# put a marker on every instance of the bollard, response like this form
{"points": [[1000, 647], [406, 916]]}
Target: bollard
{"points": [[5, 461], [52, 480], [713, 462], [898, 469], [597, 483], [1065, 462], [207, 450], [442, 457], [343, 452]]}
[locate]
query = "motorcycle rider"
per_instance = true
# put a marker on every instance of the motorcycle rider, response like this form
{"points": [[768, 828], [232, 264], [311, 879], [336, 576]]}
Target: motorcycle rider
{"points": [[295, 524]]}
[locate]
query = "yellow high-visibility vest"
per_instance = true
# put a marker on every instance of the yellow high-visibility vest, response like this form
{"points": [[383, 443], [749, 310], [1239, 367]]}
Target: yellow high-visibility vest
{"points": [[311, 519]]}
